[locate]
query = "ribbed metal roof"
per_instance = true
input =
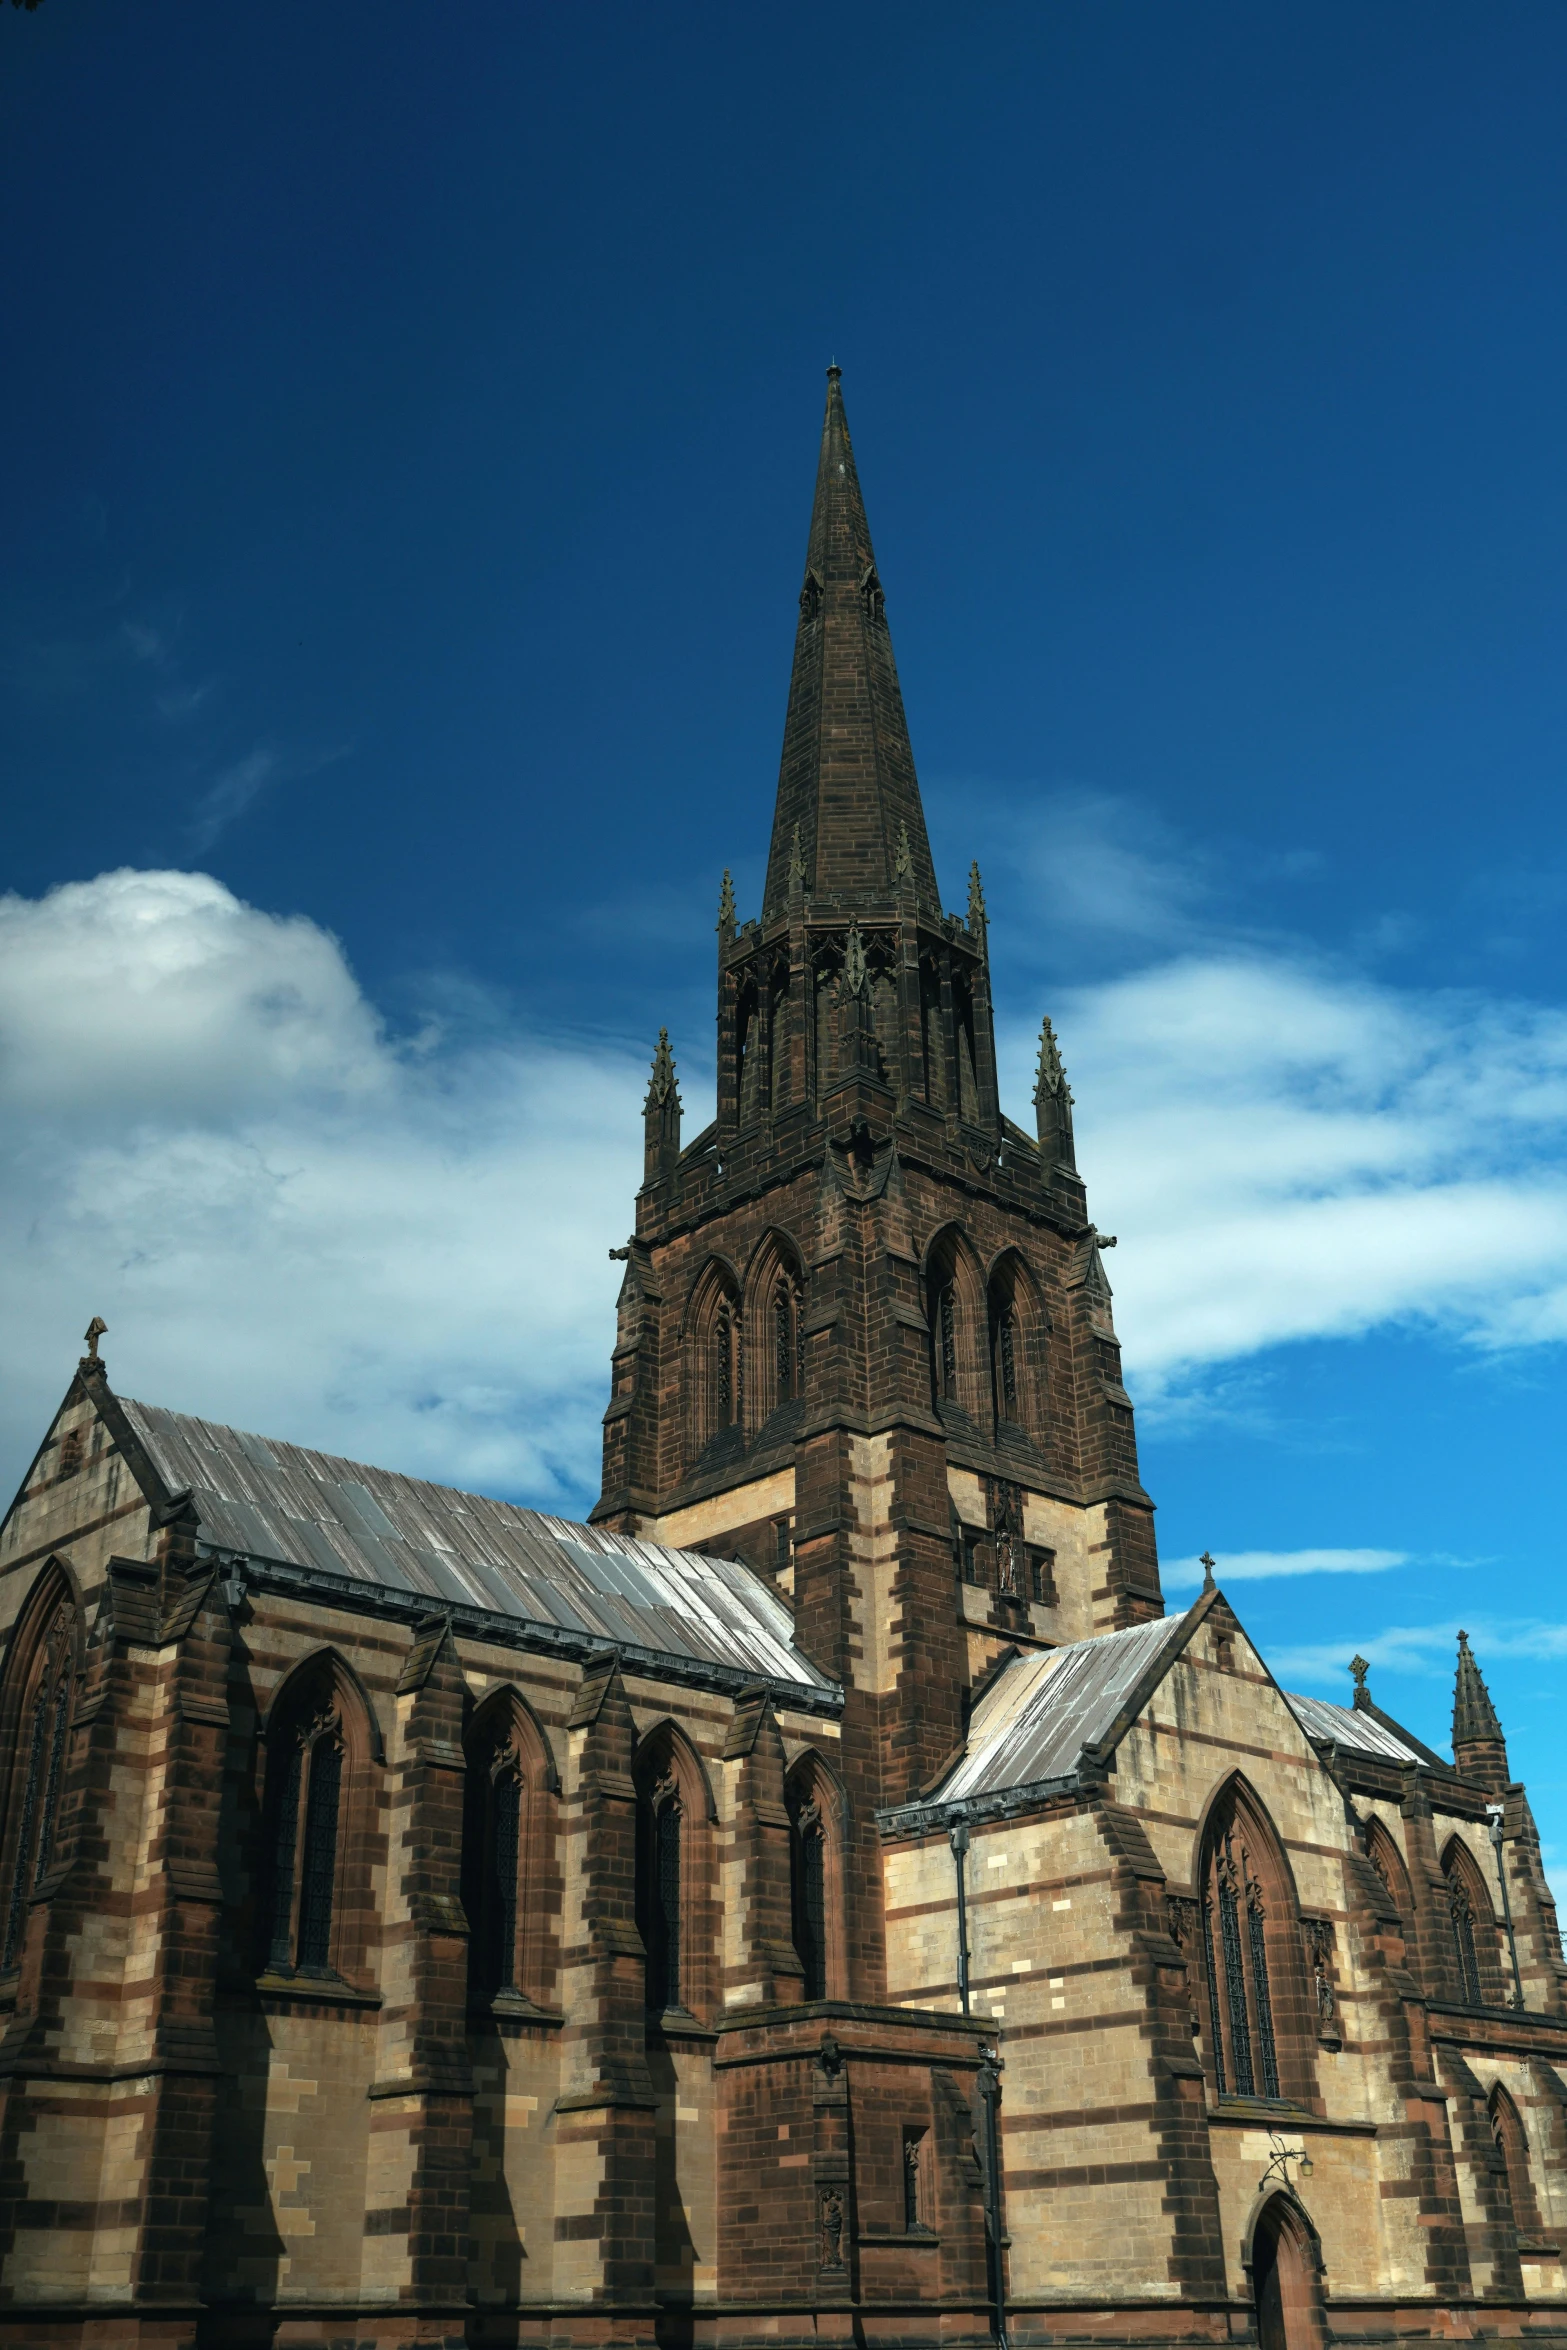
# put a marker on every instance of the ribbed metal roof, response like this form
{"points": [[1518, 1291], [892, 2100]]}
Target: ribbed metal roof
{"points": [[1342, 1725], [271, 1501], [1043, 1709]]}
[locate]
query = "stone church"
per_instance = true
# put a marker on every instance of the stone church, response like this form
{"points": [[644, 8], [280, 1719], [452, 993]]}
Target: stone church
{"points": [[826, 1898]]}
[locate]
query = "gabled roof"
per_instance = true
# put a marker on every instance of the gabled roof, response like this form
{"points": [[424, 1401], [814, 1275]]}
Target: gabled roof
{"points": [[345, 1523], [1361, 1730], [1041, 1710]]}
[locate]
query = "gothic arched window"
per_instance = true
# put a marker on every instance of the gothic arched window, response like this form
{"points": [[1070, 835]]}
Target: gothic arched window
{"points": [[810, 1898], [304, 1799], [42, 1736], [508, 1860], [815, 1874], [826, 1021], [750, 1056], [1472, 1925], [715, 1357], [675, 1909], [933, 1036], [955, 1314], [1507, 2131], [662, 1891], [1253, 1967]]}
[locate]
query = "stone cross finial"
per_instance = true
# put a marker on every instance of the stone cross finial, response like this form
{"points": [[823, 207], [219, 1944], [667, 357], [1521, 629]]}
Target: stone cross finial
{"points": [[1207, 1563], [1358, 1669], [97, 1328]]}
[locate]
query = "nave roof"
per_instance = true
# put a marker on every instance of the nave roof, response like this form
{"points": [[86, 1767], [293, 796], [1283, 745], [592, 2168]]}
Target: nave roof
{"points": [[259, 1499]]}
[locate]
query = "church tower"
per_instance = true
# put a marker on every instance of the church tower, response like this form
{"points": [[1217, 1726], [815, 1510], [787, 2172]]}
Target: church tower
{"points": [[865, 1336]]}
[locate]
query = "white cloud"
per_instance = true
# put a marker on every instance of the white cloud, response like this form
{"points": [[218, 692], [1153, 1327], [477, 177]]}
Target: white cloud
{"points": [[289, 1219], [1288, 1152], [1426, 1651], [293, 1219], [1260, 1566]]}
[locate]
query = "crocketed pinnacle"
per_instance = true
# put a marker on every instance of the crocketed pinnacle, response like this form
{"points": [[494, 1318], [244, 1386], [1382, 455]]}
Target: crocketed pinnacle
{"points": [[1474, 1716], [1049, 1074], [846, 783], [662, 1082]]}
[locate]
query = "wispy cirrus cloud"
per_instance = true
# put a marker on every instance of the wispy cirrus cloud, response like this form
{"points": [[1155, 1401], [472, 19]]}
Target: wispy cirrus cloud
{"points": [[1262, 1566], [1424, 1651]]}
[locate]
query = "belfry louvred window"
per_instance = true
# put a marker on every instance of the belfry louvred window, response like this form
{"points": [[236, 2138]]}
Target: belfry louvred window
{"points": [[43, 1732], [726, 1364]]}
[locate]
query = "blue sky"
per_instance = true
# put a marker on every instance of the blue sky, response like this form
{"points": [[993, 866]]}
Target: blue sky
{"points": [[411, 419]]}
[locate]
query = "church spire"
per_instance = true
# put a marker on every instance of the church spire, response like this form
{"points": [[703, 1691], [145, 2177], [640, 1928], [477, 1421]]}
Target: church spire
{"points": [[846, 784], [1479, 1749]]}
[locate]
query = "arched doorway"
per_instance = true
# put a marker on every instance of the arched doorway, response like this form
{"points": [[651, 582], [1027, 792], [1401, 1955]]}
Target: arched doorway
{"points": [[1283, 2274]]}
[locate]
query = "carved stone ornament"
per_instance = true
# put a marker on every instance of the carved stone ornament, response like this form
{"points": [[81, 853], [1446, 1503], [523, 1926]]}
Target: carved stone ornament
{"points": [[833, 2217], [830, 2056], [903, 862], [666, 1792], [1318, 1936], [324, 1724], [1181, 1914], [856, 978]]}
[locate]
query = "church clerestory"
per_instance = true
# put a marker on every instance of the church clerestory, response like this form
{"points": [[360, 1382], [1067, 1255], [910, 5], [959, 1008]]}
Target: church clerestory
{"points": [[826, 1897]]}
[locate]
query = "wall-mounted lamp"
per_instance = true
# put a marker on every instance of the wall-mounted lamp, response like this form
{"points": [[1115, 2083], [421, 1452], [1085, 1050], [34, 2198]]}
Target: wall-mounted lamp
{"points": [[1280, 2157]]}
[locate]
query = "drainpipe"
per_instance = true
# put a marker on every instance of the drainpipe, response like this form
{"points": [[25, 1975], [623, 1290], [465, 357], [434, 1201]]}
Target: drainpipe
{"points": [[989, 2085], [1495, 1810], [957, 1837]]}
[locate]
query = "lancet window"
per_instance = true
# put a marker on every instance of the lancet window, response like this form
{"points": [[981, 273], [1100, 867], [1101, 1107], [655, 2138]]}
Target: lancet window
{"points": [[788, 1339], [933, 1037], [662, 1889], [726, 1364], [305, 1747], [1472, 1926], [1507, 2132], [508, 1866], [675, 1910], [955, 1317], [826, 1022], [814, 1806], [751, 1057], [1249, 1929], [42, 1736]]}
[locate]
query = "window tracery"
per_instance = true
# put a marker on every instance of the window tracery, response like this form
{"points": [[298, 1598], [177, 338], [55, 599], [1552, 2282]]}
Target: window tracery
{"points": [[1472, 1927], [44, 1729], [1252, 1955]]}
